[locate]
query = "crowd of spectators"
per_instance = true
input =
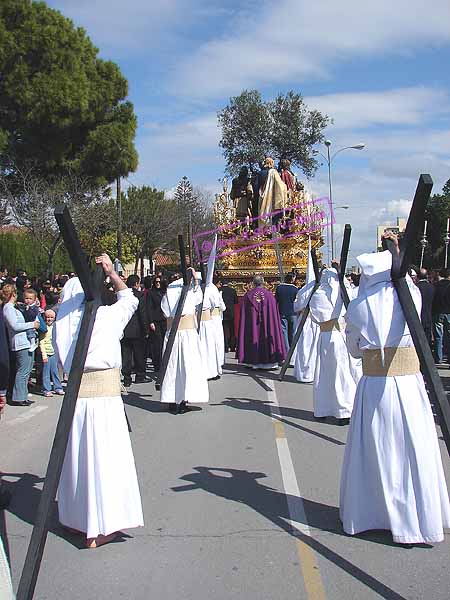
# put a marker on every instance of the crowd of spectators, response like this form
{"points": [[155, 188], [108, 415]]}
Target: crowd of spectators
{"points": [[28, 308]]}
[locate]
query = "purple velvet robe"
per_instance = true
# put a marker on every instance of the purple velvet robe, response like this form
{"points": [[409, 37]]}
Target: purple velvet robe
{"points": [[260, 340]]}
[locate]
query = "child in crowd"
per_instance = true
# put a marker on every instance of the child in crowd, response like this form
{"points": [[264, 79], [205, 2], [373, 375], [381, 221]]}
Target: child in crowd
{"points": [[50, 371], [31, 311]]}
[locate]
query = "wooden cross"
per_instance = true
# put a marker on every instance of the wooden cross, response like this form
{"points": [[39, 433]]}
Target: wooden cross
{"points": [[177, 317], [92, 283], [305, 313], [203, 288], [400, 263], [341, 267]]}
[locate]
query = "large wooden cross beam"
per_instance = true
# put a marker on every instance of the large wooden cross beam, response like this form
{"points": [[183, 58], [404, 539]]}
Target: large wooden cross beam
{"points": [[343, 263], [92, 285], [400, 263]]}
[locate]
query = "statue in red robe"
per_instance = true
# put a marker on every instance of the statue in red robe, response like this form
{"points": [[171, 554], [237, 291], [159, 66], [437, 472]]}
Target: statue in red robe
{"points": [[261, 343]]}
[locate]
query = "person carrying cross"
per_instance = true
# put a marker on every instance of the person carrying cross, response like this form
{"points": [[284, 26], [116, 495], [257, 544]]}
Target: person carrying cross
{"points": [[98, 492], [337, 373], [392, 475], [185, 379]]}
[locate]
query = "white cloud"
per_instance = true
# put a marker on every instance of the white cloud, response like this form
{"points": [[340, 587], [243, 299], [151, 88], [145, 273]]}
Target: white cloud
{"points": [[392, 210], [402, 106], [113, 25], [294, 39]]}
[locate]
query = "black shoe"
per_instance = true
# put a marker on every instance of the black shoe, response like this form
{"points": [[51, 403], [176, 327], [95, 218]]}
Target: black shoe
{"points": [[127, 381], [140, 379], [24, 403], [343, 421]]}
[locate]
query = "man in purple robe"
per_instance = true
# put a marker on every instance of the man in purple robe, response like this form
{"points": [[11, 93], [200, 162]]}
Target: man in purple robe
{"points": [[261, 344]]}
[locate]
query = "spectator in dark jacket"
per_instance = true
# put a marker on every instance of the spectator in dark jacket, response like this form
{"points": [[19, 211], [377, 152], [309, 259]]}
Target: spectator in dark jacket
{"points": [[230, 299], [441, 312], [134, 338], [427, 292], [285, 295], [157, 320]]}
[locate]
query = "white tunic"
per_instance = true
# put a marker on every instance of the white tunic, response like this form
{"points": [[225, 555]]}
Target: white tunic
{"points": [[98, 490], [185, 379], [306, 349], [336, 373], [211, 333], [392, 476]]}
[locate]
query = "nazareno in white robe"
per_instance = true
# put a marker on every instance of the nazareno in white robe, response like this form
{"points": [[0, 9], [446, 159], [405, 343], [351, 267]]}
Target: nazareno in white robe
{"points": [[306, 349], [185, 379], [98, 490], [212, 344], [392, 475], [336, 373]]}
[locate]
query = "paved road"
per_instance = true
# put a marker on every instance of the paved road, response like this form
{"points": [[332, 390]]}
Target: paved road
{"points": [[240, 501]]}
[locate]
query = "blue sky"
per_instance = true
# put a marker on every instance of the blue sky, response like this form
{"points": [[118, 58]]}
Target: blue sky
{"points": [[379, 69]]}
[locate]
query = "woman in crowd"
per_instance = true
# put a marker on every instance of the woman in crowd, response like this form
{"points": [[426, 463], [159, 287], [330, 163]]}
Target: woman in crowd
{"points": [[20, 344]]}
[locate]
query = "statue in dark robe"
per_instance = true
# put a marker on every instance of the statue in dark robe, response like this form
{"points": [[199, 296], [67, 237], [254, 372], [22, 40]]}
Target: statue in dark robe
{"points": [[242, 194]]}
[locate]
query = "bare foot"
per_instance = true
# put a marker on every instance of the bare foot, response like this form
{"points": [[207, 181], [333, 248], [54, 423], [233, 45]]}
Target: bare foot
{"points": [[100, 540]]}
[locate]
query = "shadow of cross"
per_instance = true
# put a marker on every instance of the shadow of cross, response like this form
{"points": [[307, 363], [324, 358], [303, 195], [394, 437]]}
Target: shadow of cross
{"points": [[92, 283]]}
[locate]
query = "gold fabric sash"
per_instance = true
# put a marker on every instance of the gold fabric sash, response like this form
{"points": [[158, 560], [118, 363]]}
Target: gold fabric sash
{"points": [[206, 315], [216, 312], [397, 362], [329, 325], [98, 384], [186, 322]]}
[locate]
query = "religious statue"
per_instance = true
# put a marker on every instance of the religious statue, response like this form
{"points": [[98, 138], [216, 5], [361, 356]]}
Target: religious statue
{"points": [[242, 194], [287, 175], [273, 192]]}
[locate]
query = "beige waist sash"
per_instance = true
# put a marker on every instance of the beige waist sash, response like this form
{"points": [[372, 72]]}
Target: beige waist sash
{"points": [[206, 315], [329, 325], [98, 384], [216, 312], [397, 362], [186, 322]]}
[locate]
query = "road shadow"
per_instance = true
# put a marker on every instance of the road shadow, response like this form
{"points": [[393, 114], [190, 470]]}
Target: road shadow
{"points": [[243, 487], [142, 402], [264, 407], [257, 374], [25, 497], [139, 401]]}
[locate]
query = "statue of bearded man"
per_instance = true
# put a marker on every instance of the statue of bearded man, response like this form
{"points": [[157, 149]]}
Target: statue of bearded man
{"points": [[273, 191]]}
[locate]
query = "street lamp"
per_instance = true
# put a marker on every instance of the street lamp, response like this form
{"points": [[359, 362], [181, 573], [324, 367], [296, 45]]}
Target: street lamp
{"points": [[344, 207], [329, 160]]}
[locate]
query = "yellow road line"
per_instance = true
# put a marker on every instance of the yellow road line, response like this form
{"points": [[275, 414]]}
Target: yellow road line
{"points": [[308, 560]]}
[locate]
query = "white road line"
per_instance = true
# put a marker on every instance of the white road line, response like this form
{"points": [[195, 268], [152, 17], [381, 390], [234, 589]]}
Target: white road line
{"points": [[32, 412], [290, 483]]}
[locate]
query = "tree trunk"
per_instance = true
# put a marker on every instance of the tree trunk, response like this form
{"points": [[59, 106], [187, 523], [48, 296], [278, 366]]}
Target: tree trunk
{"points": [[51, 255], [136, 262]]}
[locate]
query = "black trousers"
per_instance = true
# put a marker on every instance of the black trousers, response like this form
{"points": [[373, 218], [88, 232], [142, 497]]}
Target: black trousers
{"points": [[228, 334], [133, 354], [156, 340]]}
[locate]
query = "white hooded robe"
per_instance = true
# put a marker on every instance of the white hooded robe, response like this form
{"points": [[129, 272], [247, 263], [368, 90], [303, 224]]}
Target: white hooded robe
{"points": [[392, 476]]}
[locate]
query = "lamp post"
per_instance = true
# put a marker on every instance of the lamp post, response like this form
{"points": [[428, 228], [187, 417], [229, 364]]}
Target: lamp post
{"points": [[329, 160], [446, 242], [335, 242]]}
